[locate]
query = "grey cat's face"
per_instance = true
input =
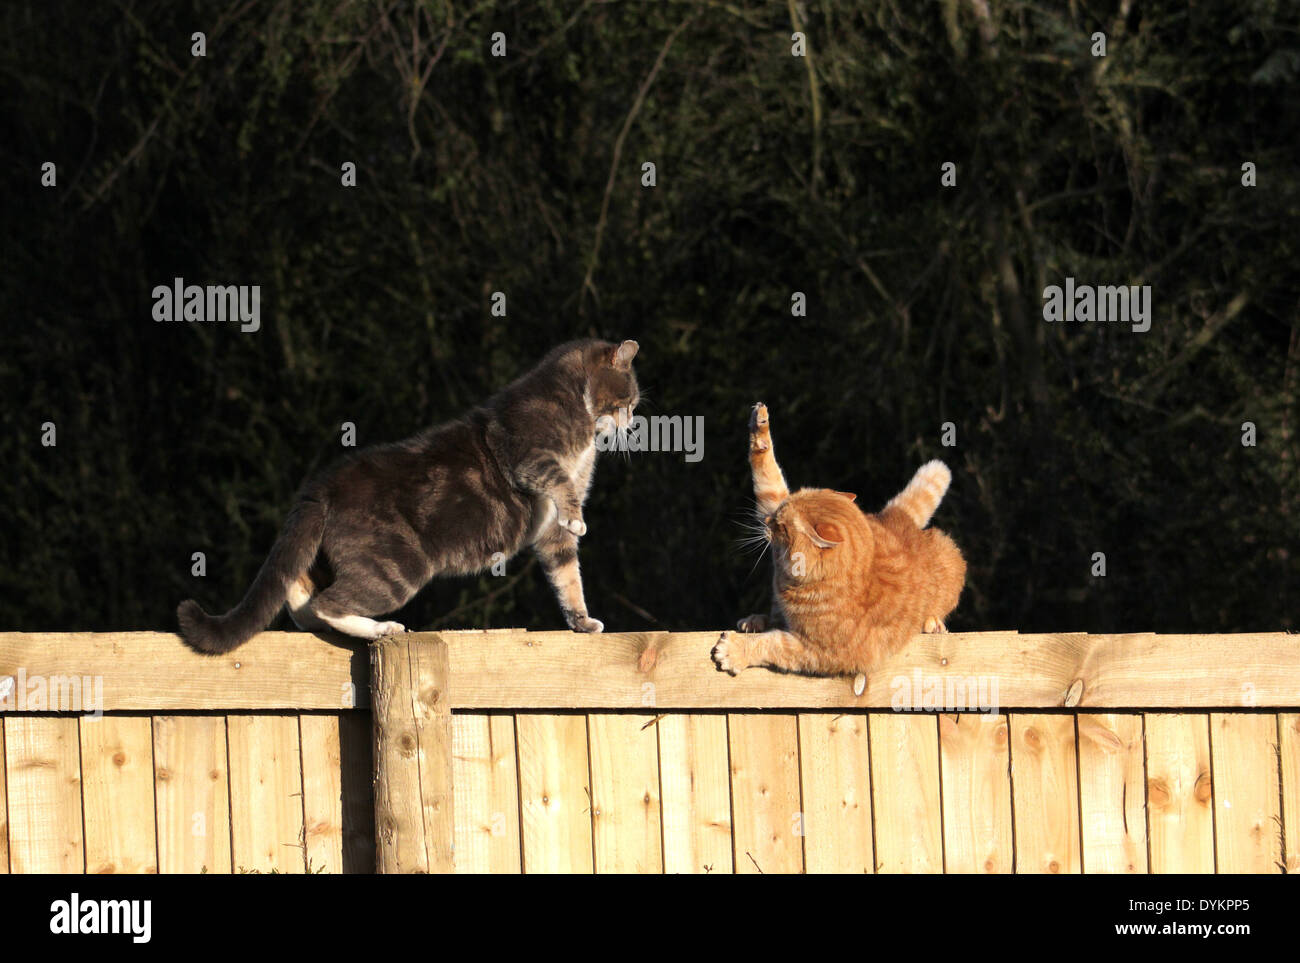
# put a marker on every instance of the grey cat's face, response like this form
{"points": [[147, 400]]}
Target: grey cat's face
{"points": [[612, 389]]}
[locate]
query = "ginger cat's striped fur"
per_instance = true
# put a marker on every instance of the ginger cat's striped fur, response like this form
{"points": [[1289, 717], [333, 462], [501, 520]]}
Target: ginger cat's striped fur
{"points": [[849, 588]]}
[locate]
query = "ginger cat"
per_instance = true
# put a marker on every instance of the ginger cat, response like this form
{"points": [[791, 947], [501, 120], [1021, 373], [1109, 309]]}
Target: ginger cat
{"points": [[849, 588]]}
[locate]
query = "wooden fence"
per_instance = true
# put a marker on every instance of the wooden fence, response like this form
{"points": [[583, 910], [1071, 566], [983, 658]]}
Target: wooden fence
{"points": [[512, 751]]}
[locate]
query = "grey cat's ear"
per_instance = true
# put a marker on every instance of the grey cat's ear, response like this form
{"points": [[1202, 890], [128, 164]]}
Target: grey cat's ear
{"points": [[623, 355]]}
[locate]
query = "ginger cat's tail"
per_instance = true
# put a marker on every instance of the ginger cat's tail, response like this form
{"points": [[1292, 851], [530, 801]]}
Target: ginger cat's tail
{"points": [[923, 493]]}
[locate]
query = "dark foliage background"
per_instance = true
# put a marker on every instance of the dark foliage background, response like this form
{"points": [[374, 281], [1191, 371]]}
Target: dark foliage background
{"points": [[775, 174]]}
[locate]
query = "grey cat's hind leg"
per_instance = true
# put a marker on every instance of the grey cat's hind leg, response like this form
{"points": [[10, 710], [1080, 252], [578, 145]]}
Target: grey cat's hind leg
{"points": [[298, 602], [346, 606], [558, 551]]}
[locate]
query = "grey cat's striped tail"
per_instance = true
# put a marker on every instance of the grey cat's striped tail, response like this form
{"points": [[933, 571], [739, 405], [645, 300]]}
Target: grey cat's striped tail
{"points": [[291, 555]]}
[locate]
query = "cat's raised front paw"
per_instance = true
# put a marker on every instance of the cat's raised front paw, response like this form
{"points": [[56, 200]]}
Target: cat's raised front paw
{"points": [[759, 436], [753, 623], [575, 525], [583, 623], [729, 654]]}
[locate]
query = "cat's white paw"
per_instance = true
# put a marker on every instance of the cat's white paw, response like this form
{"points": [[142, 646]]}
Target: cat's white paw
{"points": [[729, 654], [388, 628], [933, 625], [583, 623], [859, 684], [575, 525], [753, 623]]}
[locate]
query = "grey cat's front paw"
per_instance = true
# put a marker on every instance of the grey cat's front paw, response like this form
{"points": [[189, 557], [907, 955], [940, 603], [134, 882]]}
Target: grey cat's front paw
{"points": [[753, 623], [583, 623], [388, 628], [575, 525]]}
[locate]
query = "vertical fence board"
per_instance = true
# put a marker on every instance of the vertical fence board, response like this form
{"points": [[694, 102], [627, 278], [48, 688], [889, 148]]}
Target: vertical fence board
{"points": [[1112, 793], [356, 746], [4, 808], [1247, 818], [905, 793], [192, 790], [835, 768], [1045, 793], [487, 793], [625, 810], [976, 768], [1179, 792], [266, 814], [322, 792], [117, 795], [694, 777], [1289, 746], [765, 793], [554, 793], [43, 769]]}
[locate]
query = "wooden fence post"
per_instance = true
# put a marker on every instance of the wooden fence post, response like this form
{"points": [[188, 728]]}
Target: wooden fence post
{"points": [[414, 828]]}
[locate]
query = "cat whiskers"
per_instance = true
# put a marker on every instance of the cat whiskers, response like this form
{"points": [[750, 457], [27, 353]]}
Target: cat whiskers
{"points": [[758, 538]]}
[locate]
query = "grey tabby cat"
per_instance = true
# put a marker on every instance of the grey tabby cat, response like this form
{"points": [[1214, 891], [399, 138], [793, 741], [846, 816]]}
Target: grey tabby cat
{"points": [[368, 533]]}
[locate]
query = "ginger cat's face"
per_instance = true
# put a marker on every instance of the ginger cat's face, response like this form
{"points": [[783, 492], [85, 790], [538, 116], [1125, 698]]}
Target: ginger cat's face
{"points": [[815, 533]]}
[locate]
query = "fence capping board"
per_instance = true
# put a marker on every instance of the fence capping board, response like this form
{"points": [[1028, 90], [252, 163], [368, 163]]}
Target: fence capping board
{"points": [[649, 671]]}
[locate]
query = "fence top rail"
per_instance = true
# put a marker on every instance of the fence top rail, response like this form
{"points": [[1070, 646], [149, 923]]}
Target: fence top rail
{"points": [[649, 671]]}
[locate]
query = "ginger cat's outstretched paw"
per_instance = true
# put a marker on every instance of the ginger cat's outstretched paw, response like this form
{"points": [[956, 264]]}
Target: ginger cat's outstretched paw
{"points": [[753, 623], [729, 654], [933, 626], [760, 438]]}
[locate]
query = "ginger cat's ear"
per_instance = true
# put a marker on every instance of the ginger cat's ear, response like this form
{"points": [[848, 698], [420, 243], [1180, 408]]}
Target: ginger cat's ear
{"points": [[827, 535], [849, 495], [622, 357]]}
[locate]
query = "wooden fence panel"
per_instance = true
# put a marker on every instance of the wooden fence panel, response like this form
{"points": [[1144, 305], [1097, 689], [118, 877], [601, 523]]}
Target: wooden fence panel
{"points": [[43, 769], [1180, 797], [554, 793], [322, 792], [976, 769], [1288, 727], [486, 778], [905, 793], [192, 794], [835, 769], [1112, 793], [765, 796], [117, 794], [625, 810], [356, 744], [1247, 815], [1045, 793], [266, 814], [4, 808], [694, 775]]}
